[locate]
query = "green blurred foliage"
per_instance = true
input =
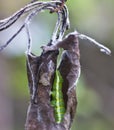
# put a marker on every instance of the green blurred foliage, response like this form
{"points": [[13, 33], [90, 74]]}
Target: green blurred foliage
{"points": [[88, 100], [19, 84], [89, 113]]}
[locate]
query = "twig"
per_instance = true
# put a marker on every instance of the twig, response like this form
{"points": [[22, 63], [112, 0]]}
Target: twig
{"points": [[36, 8]]}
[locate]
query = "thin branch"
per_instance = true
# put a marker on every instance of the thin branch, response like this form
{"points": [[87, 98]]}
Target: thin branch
{"points": [[40, 6], [9, 41], [102, 47], [5, 23]]}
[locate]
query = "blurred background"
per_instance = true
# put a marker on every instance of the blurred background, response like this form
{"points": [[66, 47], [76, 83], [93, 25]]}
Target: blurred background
{"points": [[95, 89]]}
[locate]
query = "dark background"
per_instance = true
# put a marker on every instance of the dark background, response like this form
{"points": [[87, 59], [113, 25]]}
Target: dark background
{"points": [[95, 89]]}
